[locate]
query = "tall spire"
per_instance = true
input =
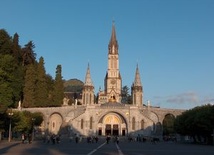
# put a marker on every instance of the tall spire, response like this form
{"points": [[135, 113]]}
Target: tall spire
{"points": [[137, 90], [137, 81], [88, 81], [113, 41], [88, 89]]}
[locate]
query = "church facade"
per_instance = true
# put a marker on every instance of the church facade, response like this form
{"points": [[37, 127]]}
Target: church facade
{"points": [[108, 116]]}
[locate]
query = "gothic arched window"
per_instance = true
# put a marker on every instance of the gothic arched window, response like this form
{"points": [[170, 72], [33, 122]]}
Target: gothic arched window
{"points": [[142, 124], [133, 123], [82, 123], [91, 120]]}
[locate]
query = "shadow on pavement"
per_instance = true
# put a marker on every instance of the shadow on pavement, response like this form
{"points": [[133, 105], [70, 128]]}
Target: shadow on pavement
{"points": [[40, 148], [4, 150]]}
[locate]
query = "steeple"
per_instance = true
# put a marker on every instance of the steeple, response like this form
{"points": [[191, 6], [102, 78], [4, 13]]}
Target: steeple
{"points": [[88, 89], [113, 45], [113, 80], [137, 81], [88, 81], [137, 90]]}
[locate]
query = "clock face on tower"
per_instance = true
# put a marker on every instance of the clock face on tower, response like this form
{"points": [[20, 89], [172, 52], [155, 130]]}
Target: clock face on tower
{"points": [[113, 81]]}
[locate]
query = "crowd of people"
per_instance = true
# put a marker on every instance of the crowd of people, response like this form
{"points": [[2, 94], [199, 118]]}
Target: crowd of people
{"points": [[26, 138], [56, 138], [92, 139]]}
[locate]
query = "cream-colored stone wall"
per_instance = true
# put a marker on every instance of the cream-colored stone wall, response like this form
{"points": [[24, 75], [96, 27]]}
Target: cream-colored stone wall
{"points": [[54, 118]]}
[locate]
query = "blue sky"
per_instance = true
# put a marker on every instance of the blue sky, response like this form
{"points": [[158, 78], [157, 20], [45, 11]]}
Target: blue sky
{"points": [[171, 40]]}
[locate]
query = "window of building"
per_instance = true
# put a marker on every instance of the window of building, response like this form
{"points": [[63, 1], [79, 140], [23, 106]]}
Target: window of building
{"points": [[133, 123], [142, 124], [53, 125], [82, 123], [91, 121]]}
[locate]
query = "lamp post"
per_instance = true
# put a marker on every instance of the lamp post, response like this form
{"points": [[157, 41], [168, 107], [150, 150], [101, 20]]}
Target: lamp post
{"points": [[10, 114], [33, 119]]}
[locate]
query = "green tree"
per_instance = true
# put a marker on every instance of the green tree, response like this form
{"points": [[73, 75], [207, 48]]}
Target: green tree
{"points": [[5, 42], [41, 90], [24, 121], [11, 81], [28, 54], [16, 49], [50, 85], [38, 118], [29, 87], [197, 123], [126, 97], [168, 125], [58, 91], [11, 75], [8, 81]]}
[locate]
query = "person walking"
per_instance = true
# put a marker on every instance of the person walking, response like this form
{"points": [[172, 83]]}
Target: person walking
{"points": [[117, 139], [48, 138], [107, 139], [23, 138], [29, 138]]}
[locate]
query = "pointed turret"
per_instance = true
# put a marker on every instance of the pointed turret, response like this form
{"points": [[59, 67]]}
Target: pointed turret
{"points": [[137, 81], [137, 90], [113, 45], [88, 89], [88, 81]]}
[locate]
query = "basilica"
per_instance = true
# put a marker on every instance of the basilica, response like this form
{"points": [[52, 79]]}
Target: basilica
{"points": [[110, 114], [107, 115]]}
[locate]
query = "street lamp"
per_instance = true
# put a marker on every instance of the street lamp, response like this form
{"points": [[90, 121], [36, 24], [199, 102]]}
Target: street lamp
{"points": [[10, 114], [33, 119]]}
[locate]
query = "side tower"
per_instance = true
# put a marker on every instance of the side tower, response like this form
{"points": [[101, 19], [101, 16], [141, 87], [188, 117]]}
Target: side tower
{"points": [[113, 81], [137, 90], [88, 89]]}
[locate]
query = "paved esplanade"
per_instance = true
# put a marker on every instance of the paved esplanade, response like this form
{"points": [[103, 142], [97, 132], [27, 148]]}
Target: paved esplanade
{"points": [[101, 148]]}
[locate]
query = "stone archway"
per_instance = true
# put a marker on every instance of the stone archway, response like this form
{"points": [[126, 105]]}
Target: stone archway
{"points": [[168, 125], [112, 124], [54, 123]]}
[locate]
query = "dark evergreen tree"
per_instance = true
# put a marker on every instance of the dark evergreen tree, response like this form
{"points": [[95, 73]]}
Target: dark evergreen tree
{"points": [[11, 77], [18, 82], [12, 74], [197, 123], [168, 125], [7, 68], [28, 55], [41, 91], [126, 97], [29, 87], [16, 49], [17, 85], [10, 81], [58, 92], [50, 85], [5, 42], [24, 121]]}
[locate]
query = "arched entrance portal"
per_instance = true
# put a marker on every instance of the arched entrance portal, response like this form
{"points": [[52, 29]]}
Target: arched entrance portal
{"points": [[55, 122], [112, 124]]}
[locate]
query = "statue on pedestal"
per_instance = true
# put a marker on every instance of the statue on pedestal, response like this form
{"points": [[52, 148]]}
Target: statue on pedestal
{"points": [[75, 103], [65, 101], [19, 105]]}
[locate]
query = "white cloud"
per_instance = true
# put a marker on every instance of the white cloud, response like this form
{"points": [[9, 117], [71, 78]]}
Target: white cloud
{"points": [[185, 100], [188, 97]]}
